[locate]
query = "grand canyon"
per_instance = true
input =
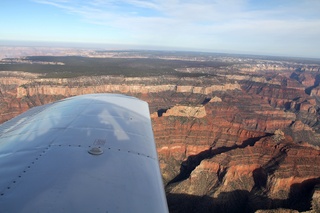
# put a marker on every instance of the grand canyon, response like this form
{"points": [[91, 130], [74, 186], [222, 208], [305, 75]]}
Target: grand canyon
{"points": [[234, 133]]}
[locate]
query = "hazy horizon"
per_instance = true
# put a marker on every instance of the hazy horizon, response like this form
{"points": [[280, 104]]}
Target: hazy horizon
{"points": [[123, 47]]}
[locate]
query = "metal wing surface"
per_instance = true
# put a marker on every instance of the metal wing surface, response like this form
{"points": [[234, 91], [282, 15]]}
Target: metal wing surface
{"points": [[90, 153]]}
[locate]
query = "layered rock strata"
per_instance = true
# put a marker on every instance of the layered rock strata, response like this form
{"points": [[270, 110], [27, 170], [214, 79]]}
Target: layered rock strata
{"points": [[215, 136]]}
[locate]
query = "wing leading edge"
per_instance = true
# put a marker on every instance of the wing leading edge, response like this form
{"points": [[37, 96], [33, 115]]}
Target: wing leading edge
{"points": [[90, 153]]}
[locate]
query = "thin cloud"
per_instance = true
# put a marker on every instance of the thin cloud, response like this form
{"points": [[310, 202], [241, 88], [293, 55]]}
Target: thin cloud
{"points": [[200, 22], [181, 11]]}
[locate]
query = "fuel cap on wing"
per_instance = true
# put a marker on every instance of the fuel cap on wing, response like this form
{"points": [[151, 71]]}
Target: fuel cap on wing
{"points": [[95, 151]]}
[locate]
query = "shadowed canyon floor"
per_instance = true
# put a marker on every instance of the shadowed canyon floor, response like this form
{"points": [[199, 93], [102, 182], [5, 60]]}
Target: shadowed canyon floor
{"points": [[234, 139]]}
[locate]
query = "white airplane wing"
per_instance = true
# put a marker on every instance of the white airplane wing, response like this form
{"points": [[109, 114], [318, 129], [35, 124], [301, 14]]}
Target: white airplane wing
{"points": [[90, 153]]}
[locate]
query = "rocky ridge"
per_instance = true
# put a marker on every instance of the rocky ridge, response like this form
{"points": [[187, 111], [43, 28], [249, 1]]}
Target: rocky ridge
{"points": [[226, 143]]}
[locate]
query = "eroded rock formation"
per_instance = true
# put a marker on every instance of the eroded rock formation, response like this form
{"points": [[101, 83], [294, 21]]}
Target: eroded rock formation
{"points": [[226, 143]]}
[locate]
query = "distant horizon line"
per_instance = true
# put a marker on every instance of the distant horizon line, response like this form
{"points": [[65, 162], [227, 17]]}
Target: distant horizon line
{"points": [[132, 47]]}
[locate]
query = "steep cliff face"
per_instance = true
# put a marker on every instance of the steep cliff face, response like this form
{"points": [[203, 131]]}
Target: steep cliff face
{"points": [[227, 123], [271, 173], [120, 88], [214, 136]]}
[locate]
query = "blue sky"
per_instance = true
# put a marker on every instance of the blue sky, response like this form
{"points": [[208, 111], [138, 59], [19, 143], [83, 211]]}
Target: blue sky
{"points": [[274, 27]]}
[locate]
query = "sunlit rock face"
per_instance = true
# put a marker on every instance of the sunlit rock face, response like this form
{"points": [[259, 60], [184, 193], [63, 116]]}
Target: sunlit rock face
{"points": [[228, 143], [271, 173]]}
